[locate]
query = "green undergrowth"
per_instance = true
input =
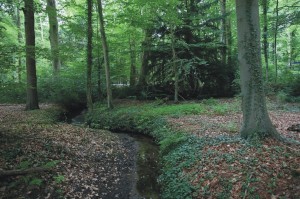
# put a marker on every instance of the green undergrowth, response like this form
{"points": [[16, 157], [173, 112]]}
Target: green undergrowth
{"points": [[149, 119], [197, 167], [178, 149]]}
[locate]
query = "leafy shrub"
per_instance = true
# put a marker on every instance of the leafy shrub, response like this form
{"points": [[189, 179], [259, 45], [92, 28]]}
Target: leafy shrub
{"points": [[13, 93]]}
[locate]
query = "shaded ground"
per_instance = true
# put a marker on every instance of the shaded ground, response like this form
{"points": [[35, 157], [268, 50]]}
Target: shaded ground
{"points": [[86, 163], [236, 169], [83, 163]]}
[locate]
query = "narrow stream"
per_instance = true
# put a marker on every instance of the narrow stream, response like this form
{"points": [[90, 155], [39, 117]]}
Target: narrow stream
{"points": [[147, 165]]}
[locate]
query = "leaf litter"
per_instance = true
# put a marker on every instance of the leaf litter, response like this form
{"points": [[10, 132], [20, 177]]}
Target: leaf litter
{"points": [[84, 163], [239, 169]]}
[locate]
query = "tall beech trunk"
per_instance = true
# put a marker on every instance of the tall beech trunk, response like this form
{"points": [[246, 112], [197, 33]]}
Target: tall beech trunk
{"points": [[106, 56], [265, 36], [256, 121], [53, 35], [32, 96], [89, 56]]}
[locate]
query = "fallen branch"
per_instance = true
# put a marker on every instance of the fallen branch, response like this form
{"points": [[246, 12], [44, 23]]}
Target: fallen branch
{"points": [[7, 173]]}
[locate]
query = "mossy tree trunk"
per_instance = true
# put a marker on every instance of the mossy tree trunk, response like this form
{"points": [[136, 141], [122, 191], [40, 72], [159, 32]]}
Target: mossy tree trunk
{"points": [[32, 96], [106, 56], [89, 56], [256, 121]]}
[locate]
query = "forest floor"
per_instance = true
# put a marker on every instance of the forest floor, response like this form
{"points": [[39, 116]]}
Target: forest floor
{"points": [[85, 163], [78, 162], [272, 167]]}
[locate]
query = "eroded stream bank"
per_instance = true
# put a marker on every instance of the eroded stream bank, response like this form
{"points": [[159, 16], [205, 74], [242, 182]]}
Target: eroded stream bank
{"points": [[140, 173]]}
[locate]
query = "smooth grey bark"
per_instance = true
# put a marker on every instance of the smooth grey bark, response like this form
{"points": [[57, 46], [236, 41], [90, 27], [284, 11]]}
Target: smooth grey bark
{"points": [[89, 55], [265, 36], [32, 96], [256, 121], [106, 56], [53, 35]]}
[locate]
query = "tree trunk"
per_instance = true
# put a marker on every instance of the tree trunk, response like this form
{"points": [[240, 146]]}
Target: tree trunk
{"points": [[53, 35], [142, 83], [229, 43], [19, 68], [32, 96], [99, 63], [265, 36], [223, 31], [275, 42], [132, 62], [106, 56], [256, 121], [175, 68], [89, 56]]}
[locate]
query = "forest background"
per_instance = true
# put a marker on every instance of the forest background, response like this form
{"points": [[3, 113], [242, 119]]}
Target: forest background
{"points": [[175, 50]]}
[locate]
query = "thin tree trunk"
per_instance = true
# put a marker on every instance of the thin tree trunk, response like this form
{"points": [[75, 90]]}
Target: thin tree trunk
{"points": [[99, 62], [291, 34], [106, 56], [19, 68], [256, 121], [32, 96], [229, 43], [175, 68], [132, 81], [223, 31], [275, 42], [89, 56], [53, 35], [265, 36]]}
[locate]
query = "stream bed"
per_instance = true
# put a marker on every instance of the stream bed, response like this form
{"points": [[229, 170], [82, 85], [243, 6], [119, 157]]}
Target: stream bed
{"points": [[143, 182]]}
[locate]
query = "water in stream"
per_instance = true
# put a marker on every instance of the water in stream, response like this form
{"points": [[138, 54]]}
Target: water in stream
{"points": [[147, 165]]}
